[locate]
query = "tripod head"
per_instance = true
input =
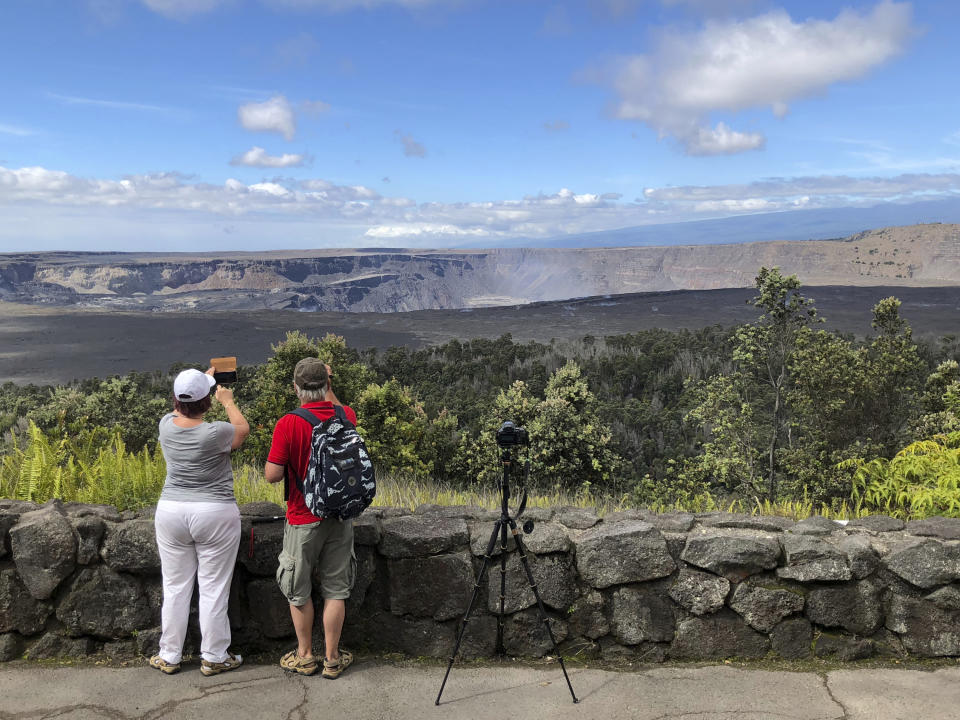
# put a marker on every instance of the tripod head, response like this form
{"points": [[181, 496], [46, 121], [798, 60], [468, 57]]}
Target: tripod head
{"points": [[509, 436]]}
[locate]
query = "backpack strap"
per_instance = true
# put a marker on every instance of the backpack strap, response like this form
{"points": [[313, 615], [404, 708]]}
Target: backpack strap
{"points": [[342, 415], [306, 415], [303, 414]]}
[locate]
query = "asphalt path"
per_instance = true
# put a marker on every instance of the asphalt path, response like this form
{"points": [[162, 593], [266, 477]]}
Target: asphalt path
{"points": [[377, 690]]}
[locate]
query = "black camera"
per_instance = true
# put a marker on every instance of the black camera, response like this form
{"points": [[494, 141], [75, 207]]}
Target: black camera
{"points": [[509, 435], [224, 370]]}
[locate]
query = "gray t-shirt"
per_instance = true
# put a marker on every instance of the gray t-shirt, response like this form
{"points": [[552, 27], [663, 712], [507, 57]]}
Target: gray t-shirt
{"points": [[198, 461]]}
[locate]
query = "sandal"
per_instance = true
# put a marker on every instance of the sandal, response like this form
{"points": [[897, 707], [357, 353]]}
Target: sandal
{"points": [[231, 663], [333, 668], [292, 662], [163, 666]]}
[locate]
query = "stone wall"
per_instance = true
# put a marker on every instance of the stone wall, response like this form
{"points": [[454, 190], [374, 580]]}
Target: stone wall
{"points": [[81, 579]]}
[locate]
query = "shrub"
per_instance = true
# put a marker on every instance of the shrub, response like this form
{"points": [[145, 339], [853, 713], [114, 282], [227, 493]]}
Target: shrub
{"points": [[922, 480]]}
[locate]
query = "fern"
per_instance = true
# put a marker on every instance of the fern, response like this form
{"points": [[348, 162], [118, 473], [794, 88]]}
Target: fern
{"points": [[921, 480]]}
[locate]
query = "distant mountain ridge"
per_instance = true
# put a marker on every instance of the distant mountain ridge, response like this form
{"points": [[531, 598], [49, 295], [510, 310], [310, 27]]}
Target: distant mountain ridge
{"points": [[372, 280], [816, 224]]}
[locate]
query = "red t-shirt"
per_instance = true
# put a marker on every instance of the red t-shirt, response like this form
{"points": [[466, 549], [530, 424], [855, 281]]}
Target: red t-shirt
{"points": [[291, 448]]}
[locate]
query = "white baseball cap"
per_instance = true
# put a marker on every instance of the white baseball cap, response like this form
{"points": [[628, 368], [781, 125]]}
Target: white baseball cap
{"points": [[192, 385]]}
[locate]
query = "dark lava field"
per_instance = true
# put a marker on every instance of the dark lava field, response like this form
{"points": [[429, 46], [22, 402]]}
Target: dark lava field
{"points": [[44, 345]]}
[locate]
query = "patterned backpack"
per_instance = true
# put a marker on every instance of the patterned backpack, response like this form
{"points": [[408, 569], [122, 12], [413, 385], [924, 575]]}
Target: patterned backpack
{"points": [[339, 482]]}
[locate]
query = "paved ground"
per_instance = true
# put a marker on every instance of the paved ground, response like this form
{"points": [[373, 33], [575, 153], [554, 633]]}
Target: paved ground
{"points": [[375, 690]]}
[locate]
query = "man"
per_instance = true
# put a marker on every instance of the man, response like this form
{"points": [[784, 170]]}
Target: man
{"points": [[308, 541]]}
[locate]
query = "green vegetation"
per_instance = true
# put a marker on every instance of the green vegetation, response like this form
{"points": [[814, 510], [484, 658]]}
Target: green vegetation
{"points": [[921, 480], [774, 416], [94, 467]]}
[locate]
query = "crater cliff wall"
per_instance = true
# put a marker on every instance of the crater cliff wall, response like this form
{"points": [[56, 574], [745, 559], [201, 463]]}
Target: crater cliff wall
{"points": [[388, 281]]}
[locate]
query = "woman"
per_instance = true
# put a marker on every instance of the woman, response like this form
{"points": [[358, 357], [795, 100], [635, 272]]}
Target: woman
{"points": [[198, 521]]}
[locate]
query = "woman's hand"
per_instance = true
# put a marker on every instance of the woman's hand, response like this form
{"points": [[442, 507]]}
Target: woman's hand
{"points": [[224, 395], [210, 370]]}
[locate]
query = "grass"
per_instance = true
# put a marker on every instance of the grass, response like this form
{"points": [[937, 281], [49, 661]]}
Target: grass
{"points": [[101, 470], [409, 493], [130, 481]]}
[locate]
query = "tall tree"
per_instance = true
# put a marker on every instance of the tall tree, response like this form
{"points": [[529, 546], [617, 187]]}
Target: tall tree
{"points": [[896, 377], [764, 350]]}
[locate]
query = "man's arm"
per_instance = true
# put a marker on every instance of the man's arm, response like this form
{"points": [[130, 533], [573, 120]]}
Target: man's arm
{"points": [[273, 473]]}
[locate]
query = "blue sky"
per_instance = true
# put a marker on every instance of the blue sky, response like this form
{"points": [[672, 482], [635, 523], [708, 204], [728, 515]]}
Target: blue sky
{"points": [[265, 124]]}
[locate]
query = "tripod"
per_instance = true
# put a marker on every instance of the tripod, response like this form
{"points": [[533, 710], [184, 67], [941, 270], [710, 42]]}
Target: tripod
{"points": [[500, 528]]}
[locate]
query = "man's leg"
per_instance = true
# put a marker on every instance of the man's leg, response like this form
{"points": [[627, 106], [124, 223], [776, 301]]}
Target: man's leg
{"points": [[301, 545], [338, 569], [333, 613], [303, 623]]}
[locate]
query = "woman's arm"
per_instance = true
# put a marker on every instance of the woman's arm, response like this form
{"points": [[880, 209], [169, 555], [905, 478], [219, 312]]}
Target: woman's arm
{"points": [[241, 428]]}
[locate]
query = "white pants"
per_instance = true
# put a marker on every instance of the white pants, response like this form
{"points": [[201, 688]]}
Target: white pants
{"points": [[197, 540]]}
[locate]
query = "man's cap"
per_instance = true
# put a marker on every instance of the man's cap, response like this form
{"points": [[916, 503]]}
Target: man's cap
{"points": [[192, 385], [310, 374]]}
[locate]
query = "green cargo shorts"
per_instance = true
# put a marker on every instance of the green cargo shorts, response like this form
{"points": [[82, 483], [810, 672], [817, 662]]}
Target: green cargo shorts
{"points": [[322, 551]]}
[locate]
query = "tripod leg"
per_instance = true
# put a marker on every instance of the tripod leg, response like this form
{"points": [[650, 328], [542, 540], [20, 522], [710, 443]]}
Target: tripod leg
{"points": [[536, 593], [501, 650], [476, 592]]}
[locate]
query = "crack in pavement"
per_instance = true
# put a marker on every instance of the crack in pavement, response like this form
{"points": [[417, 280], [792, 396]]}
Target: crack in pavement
{"points": [[826, 686], [205, 692], [100, 710], [156, 713], [300, 709]]}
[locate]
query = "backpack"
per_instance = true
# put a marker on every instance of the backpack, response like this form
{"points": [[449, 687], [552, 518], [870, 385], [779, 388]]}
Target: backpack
{"points": [[339, 482]]}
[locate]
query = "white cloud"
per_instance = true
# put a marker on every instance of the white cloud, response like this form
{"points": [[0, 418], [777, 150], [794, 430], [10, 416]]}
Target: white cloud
{"points": [[16, 130], [768, 60], [721, 140], [729, 207], [112, 104], [912, 186], [272, 189], [274, 115], [411, 148], [258, 157], [172, 191], [557, 126], [424, 229], [347, 212]]}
